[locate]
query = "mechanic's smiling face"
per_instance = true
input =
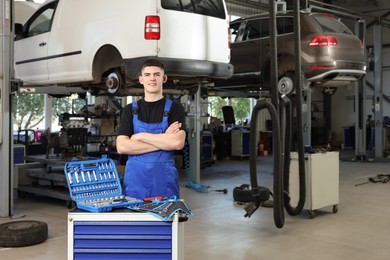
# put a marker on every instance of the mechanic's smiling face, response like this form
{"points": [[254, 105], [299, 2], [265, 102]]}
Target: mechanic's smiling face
{"points": [[152, 79]]}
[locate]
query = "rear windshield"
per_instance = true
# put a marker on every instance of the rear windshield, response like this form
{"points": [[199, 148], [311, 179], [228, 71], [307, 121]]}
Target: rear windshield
{"points": [[331, 24], [213, 8]]}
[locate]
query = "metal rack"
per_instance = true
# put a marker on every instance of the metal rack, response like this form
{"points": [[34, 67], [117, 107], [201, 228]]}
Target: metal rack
{"points": [[44, 177]]}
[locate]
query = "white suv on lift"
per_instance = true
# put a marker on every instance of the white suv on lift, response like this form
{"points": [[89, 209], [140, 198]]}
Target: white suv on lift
{"points": [[99, 45]]}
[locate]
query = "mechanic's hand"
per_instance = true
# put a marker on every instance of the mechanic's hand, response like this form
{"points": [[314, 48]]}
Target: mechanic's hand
{"points": [[173, 128]]}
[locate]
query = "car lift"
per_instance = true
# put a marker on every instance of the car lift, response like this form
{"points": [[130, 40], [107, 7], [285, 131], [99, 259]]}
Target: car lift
{"points": [[6, 146], [6, 156], [279, 110]]}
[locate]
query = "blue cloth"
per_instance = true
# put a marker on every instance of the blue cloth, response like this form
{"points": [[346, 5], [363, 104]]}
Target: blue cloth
{"points": [[151, 174]]}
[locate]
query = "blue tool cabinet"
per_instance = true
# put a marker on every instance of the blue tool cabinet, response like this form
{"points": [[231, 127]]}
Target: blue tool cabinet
{"points": [[124, 235]]}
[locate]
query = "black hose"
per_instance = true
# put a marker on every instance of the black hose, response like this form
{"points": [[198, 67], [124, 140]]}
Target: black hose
{"points": [[298, 105], [285, 105], [278, 180], [301, 160]]}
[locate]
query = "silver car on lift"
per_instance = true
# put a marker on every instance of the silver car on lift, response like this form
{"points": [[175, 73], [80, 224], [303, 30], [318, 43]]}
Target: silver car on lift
{"points": [[332, 55]]}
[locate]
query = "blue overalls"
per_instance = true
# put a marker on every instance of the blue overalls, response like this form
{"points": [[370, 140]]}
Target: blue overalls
{"points": [[151, 174]]}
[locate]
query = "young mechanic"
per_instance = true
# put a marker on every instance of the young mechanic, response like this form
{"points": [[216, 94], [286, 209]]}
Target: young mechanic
{"points": [[150, 130]]}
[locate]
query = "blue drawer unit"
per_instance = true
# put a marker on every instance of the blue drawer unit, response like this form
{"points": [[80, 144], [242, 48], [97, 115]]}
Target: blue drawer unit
{"points": [[129, 235]]}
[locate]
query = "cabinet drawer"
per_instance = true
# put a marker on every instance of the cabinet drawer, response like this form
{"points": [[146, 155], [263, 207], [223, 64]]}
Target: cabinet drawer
{"points": [[122, 239]]}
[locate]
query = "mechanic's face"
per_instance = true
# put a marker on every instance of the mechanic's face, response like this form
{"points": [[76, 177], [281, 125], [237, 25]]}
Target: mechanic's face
{"points": [[152, 78]]}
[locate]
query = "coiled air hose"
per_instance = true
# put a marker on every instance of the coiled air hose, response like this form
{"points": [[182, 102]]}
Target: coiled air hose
{"points": [[258, 192]]}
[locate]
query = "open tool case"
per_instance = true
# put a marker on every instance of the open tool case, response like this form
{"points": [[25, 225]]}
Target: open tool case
{"points": [[94, 185]]}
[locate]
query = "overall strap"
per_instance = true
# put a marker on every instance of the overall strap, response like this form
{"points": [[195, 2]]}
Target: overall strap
{"points": [[135, 110], [168, 104]]}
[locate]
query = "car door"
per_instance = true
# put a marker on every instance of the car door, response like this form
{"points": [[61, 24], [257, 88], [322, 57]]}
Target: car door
{"points": [[30, 47], [252, 47]]}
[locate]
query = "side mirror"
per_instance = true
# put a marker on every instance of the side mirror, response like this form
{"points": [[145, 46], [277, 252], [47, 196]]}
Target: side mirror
{"points": [[18, 30]]}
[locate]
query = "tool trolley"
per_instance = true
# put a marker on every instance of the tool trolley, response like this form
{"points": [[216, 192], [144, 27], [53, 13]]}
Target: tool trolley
{"points": [[124, 234], [104, 226]]}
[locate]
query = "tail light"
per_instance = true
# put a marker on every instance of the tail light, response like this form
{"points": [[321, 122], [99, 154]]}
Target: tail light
{"points": [[323, 40], [152, 28], [329, 15], [316, 67]]}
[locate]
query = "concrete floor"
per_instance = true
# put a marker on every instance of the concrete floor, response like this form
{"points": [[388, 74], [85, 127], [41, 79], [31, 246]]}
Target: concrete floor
{"points": [[219, 230]]}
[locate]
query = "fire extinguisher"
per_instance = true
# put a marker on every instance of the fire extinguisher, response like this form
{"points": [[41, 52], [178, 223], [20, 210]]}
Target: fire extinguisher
{"points": [[261, 147]]}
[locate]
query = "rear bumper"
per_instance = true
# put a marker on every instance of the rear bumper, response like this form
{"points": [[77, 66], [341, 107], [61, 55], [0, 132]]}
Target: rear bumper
{"points": [[337, 75], [342, 71], [176, 68]]}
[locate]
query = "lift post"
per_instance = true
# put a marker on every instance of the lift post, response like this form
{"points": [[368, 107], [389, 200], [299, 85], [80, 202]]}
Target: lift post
{"points": [[6, 156], [360, 104], [378, 91], [194, 129]]}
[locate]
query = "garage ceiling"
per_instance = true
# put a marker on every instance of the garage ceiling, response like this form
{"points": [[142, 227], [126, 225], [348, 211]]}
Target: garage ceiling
{"points": [[245, 7]]}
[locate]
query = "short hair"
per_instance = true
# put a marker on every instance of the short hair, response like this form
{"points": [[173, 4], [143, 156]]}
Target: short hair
{"points": [[152, 63]]}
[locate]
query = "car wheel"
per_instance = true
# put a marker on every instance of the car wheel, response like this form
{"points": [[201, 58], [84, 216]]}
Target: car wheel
{"points": [[286, 84], [22, 233], [113, 82]]}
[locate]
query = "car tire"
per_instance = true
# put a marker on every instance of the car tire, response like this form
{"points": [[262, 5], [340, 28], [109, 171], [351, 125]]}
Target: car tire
{"points": [[243, 193], [23, 233]]}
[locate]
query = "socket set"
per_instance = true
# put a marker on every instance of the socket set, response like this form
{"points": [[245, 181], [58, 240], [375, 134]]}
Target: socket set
{"points": [[94, 185]]}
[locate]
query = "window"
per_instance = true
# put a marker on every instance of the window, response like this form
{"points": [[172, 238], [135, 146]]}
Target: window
{"points": [[42, 21], [213, 8], [241, 108], [256, 29], [234, 30], [284, 25]]}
